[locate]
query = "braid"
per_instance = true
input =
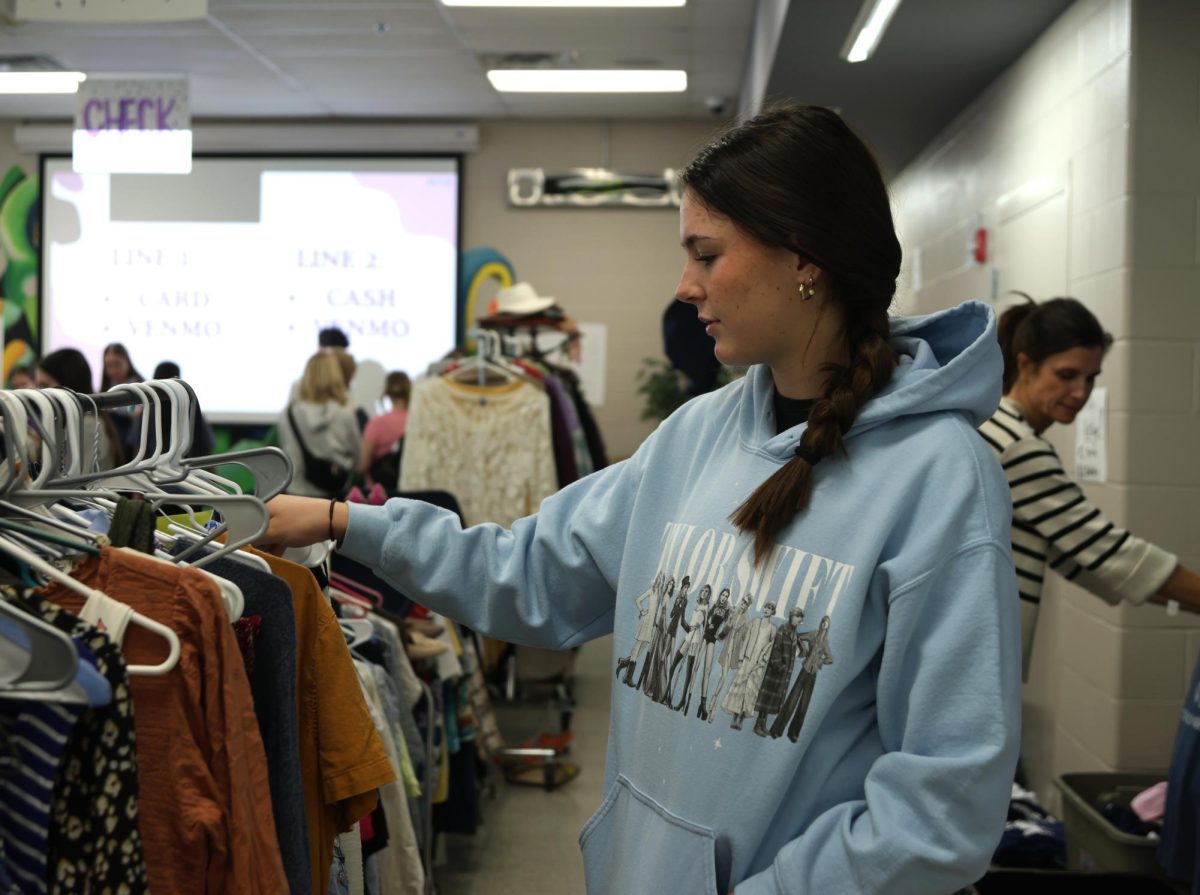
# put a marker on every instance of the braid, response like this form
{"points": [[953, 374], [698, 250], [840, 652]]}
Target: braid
{"points": [[786, 493]]}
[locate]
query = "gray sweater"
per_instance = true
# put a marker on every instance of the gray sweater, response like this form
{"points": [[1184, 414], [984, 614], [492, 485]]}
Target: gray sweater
{"points": [[329, 430]]}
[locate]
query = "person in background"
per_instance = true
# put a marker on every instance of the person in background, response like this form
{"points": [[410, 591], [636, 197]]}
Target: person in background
{"points": [[332, 337], [1053, 353], [349, 367], [118, 369], [383, 438], [320, 422], [842, 474], [204, 440], [68, 368], [23, 377]]}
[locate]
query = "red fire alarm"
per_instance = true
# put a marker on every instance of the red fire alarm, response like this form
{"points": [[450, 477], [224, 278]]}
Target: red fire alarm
{"points": [[979, 246]]}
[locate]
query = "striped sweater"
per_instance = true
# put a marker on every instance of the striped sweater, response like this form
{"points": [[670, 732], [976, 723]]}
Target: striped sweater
{"points": [[1055, 524]]}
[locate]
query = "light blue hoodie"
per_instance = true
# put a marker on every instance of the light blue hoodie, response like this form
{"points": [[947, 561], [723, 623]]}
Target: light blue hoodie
{"points": [[899, 780]]}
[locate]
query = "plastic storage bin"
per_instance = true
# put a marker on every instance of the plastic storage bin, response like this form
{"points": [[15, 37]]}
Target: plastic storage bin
{"points": [[1093, 843]]}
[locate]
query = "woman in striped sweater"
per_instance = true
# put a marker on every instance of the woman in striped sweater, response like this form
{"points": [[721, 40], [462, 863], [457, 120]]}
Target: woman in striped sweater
{"points": [[1052, 355]]}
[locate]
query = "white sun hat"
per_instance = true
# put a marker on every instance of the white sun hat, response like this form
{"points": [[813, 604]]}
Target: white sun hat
{"points": [[520, 298]]}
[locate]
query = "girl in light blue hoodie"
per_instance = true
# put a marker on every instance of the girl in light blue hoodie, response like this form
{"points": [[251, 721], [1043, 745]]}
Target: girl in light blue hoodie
{"points": [[841, 477]]}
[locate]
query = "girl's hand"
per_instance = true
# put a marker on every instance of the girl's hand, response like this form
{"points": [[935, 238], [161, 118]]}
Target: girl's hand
{"points": [[300, 521]]}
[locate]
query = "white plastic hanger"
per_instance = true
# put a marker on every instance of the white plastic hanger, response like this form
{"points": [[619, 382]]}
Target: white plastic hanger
{"points": [[357, 630], [42, 567]]}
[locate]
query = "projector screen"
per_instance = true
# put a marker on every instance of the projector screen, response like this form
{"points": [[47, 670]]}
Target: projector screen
{"points": [[230, 271]]}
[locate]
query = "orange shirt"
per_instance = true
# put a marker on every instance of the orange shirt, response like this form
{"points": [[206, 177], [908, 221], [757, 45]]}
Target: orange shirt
{"points": [[204, 801], [342, 757]]}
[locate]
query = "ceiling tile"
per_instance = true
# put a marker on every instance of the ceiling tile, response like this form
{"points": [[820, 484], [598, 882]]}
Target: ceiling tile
{"points": [[374, 74], [364, 45], [285, 20], [217, 97], [332, 62], [571, 21], [550, 40]]}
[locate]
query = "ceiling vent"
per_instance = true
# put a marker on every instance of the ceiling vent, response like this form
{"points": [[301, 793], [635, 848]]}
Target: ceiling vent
{"points": [[28, 62], [569, 59]]}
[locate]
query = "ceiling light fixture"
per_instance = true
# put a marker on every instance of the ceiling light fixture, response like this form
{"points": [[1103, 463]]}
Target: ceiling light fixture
{"points": [[868, 28], [558, 80], [568, 4], [41, 81]]}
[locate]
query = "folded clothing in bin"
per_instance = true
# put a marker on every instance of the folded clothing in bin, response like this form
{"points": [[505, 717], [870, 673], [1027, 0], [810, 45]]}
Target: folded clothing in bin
{"points": [[1126, 820], [1032, 837], [1180, 848]]}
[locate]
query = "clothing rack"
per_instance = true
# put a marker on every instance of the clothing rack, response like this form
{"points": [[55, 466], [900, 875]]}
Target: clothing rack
{"points": [[57, 507], [120, 398]]}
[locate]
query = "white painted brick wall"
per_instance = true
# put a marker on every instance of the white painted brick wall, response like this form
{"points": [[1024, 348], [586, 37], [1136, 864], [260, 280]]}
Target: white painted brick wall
{"points": [[1083, 161]]}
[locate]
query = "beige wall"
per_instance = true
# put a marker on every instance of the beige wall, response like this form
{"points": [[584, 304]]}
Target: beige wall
{"points": [[1083, 162], [607, 265]]}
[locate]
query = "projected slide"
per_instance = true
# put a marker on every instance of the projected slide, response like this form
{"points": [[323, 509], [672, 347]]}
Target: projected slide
{"points": [[232, 270]]}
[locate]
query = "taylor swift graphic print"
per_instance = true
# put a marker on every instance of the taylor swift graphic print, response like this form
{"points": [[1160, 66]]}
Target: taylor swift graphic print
{"points": [[754, 630]]}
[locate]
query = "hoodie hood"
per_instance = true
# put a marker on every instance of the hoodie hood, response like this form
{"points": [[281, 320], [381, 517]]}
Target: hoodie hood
{"points": [[948, 361]]}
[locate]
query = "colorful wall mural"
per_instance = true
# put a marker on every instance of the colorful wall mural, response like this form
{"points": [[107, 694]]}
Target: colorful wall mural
{"points": [[20, 236]]}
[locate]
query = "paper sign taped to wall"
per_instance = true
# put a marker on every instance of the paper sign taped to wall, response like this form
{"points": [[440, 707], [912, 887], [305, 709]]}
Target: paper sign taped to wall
{"points": [[1091, 439]]}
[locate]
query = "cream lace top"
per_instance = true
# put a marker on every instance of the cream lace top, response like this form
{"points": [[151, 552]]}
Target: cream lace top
{"points": [[490, 447]]}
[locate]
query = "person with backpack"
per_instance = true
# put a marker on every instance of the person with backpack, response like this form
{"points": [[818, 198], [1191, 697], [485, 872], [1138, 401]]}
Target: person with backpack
{"points": [[319, 431]]}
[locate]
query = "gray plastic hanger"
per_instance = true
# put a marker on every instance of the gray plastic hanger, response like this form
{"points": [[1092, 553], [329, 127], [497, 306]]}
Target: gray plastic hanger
{"points": [[53, 659]]}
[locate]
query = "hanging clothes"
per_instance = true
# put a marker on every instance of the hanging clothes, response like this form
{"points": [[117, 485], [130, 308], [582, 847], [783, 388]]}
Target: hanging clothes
{"points": [[587, 419], [204, 799], [342, 758], [94, 846], [133, 525], [488, 446], [37, 733], [273, 677], [400, 860], [233, 766], [566, 469], [572, 459]]}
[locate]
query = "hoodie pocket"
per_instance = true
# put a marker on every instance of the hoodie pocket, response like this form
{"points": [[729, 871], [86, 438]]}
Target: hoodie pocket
{"points": [[634, 846]]}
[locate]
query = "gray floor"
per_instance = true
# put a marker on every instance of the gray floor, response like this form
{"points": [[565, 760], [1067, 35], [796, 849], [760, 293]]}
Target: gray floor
{"points": [[529, 842]]}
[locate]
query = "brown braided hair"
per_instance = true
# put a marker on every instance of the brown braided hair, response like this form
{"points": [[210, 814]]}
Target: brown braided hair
{"points": [[797, 177]]}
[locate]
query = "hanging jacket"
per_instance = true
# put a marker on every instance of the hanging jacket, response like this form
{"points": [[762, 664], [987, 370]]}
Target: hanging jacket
{"points": [[900, 777]]}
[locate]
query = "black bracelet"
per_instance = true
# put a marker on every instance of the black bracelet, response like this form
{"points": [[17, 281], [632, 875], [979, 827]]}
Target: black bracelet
{"points": [[332, 503]]}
